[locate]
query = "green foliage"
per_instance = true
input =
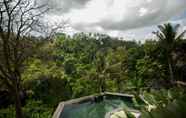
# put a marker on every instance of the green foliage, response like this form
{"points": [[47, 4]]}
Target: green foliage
{"points": [[33, 109], [83, 87], [174, 110], [48, 90], [70, 67], [38, 68], [147, 70], [168, 103], [7, 113], [163, 97], [91, 63]]}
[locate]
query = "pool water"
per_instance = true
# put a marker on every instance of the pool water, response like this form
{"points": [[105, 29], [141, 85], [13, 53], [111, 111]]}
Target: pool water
{"points": [[92, 109]]}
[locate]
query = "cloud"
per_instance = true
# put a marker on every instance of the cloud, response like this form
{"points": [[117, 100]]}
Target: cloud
{"points": [[64, 6], [125, 14], [143, 11], [118, 17]]}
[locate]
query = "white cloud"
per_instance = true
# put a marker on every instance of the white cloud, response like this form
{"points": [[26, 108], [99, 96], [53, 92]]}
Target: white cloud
{"points": [[124, 14], [143, 11], [116, 17], [149, 1]]}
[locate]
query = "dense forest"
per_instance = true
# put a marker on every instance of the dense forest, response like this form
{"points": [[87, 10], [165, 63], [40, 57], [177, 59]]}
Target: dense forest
{"points": [[37, 72], [70, 67]]}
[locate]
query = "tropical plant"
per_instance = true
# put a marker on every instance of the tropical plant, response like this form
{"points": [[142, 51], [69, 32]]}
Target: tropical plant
{"points": [[173, 110], [168, 36]]}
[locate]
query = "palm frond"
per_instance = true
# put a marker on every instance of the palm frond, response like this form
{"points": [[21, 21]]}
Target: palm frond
{"points": [[181, 35]]}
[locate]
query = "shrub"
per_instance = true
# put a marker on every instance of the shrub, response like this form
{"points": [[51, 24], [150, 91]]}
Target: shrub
{"points": [[33, 109]]}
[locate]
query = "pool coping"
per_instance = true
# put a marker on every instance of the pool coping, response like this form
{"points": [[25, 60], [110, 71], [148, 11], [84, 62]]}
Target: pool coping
{"points": [[61, 105]]}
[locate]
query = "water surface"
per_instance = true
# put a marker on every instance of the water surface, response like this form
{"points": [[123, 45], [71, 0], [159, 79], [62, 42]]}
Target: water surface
{"points": [[92, 109]]}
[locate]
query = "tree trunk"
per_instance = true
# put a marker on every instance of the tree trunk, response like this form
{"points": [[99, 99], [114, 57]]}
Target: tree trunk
{"points": [[171, 70], [118, 85], [102, 85], [19, 113]]}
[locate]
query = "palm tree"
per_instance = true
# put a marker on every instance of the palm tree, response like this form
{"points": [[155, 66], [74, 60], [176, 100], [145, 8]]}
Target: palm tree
{"points": [[168, 36]]}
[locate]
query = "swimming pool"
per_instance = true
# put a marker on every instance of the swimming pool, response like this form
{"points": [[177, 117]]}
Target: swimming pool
{"points": [[95, 106]]}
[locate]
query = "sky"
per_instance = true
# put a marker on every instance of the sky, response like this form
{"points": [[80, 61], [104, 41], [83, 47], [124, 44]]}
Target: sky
{"points": [[131, 19]]}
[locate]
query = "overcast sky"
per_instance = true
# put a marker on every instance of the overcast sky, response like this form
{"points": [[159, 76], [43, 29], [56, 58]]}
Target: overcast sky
{"points": [[122, 18]]}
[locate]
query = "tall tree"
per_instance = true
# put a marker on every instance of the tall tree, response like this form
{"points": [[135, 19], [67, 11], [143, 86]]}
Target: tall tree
{"points": [[18, 19], [168, 35], [101, 70]]}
